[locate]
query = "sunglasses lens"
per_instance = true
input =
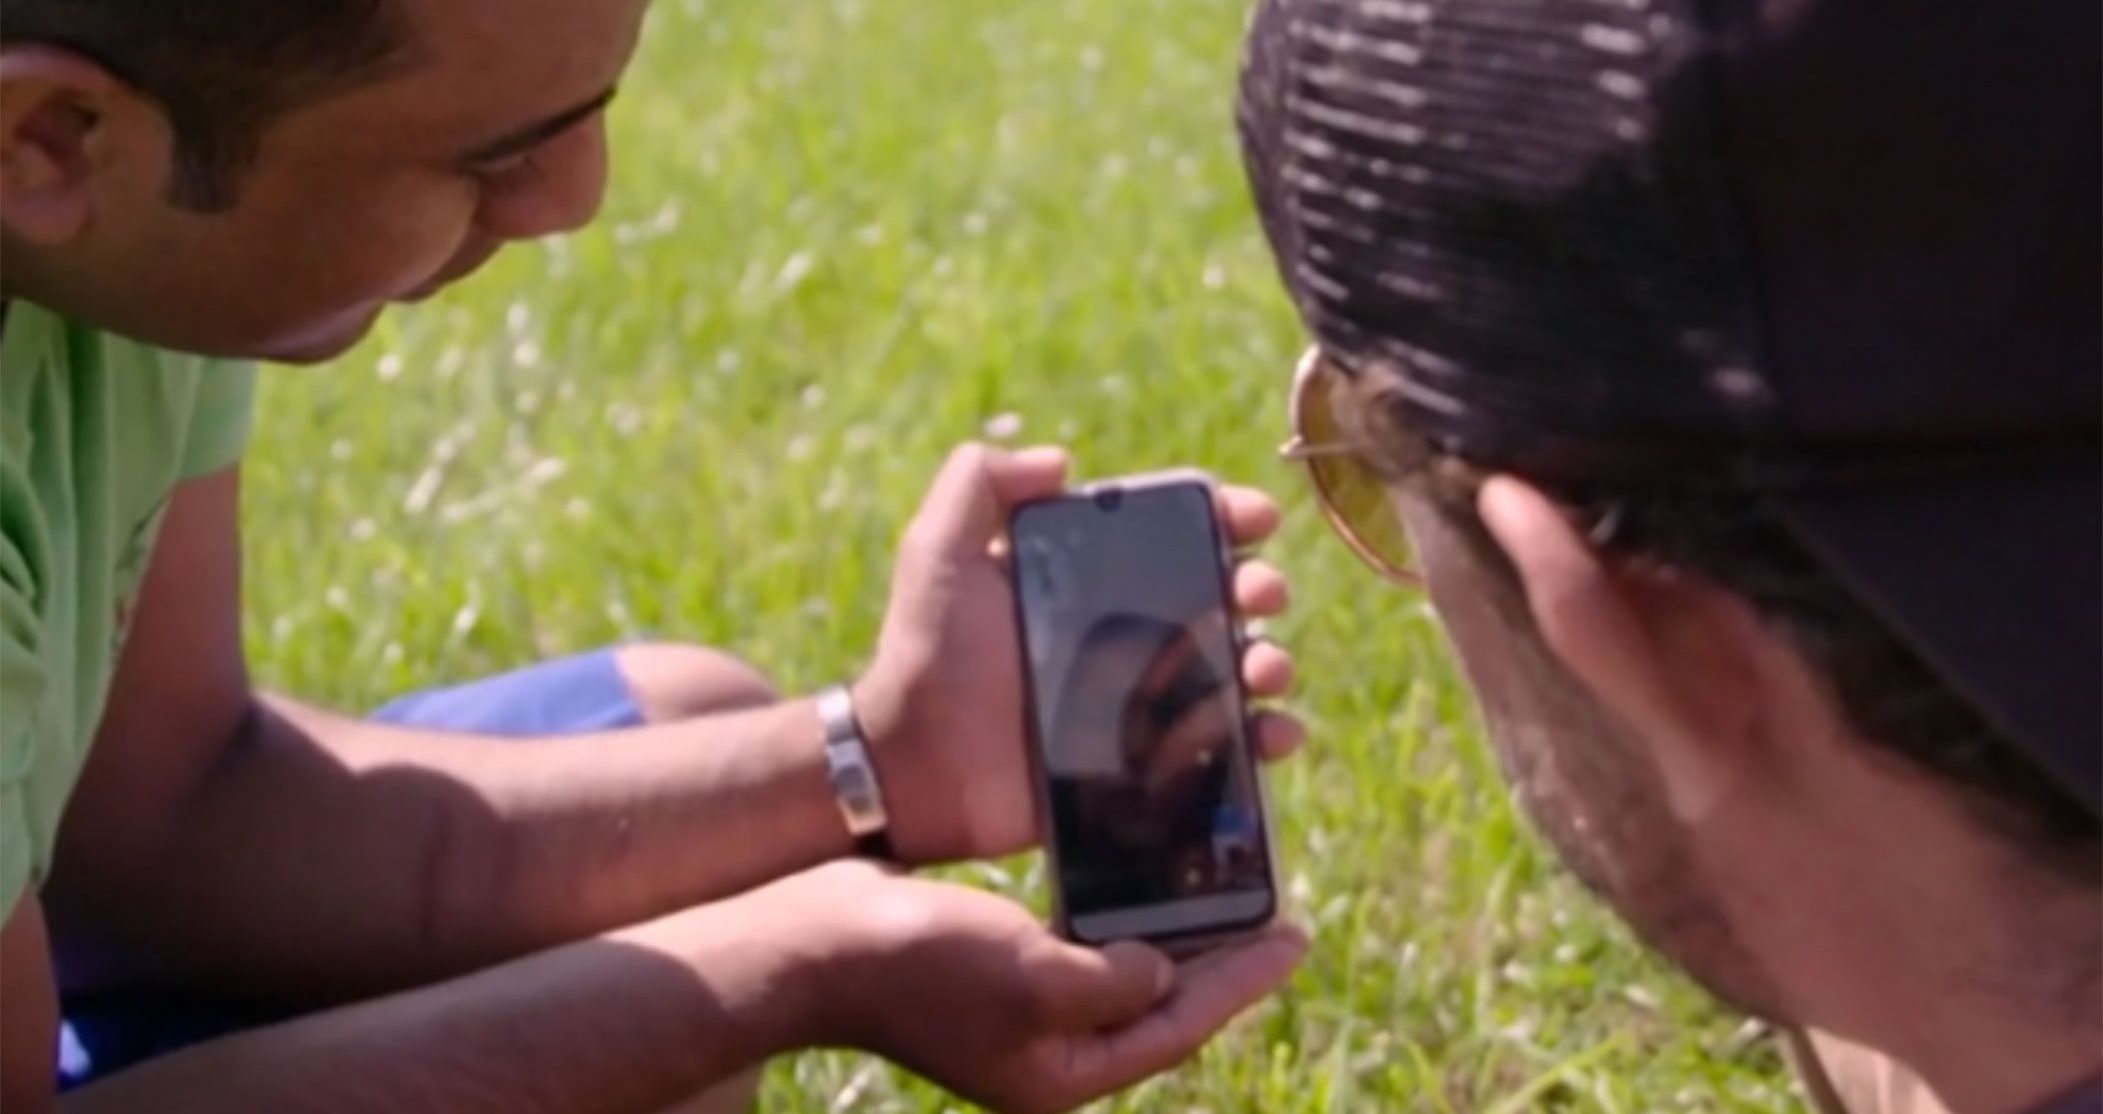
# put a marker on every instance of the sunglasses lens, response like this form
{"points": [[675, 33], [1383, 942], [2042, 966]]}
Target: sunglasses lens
{"points": [[1354, 495]]}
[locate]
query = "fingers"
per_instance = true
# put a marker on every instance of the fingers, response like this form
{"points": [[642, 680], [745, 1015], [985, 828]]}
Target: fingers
{"points": [[1266, 670], [1260, 591], [1250, 515], [968, 503], [1081, 989], [1277, 735], [1209, 992]]}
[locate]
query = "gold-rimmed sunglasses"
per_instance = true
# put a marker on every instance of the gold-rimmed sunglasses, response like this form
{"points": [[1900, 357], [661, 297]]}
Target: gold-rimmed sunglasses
{"points": [[1351, 491]]}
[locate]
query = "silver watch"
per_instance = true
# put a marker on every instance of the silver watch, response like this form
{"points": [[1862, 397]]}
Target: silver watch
{"points": [[847, 764]]}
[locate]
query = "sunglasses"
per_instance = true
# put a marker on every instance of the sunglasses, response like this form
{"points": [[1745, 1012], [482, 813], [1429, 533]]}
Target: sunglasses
{"points": [[1352, 493]]}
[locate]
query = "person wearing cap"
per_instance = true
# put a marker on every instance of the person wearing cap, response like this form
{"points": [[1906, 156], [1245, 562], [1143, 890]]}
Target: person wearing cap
{"points": [[214, 898], [1729, 377]]}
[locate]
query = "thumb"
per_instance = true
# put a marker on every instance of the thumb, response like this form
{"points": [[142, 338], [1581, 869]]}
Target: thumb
{"points": [[1211, 990], [969, 501], [1080, 990]]}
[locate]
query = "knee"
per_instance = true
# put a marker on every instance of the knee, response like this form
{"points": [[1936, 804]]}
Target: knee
{"points": [[670, 681]]}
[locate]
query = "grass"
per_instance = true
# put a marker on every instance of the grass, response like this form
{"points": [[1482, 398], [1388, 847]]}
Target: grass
{"points": [[842, 236]]}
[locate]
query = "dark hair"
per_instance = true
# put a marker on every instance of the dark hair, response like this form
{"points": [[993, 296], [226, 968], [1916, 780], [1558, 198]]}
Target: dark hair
{"points": [[1887, 692], [1355, 201], [1728, 537], [222, 70]]}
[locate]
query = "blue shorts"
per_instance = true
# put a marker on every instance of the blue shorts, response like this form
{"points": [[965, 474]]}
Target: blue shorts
{"points": [[107, 1032]]}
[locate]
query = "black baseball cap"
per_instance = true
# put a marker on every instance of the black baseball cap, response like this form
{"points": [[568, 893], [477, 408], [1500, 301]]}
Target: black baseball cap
{"points": [[1841, 254]]}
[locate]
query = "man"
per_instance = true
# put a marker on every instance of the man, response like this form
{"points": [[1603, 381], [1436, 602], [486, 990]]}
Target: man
{"points": [[618, 921], [1730, 372]]}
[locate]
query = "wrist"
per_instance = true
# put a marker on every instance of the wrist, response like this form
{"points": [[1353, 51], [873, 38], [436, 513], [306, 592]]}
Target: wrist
{"points": [[858, 790], [755, 972], [801, 764], [816, 951], [895, 755], [834, 932]]}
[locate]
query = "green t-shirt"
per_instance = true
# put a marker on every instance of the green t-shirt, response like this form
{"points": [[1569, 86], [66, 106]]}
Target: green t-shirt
{"points": [[95, 432]]}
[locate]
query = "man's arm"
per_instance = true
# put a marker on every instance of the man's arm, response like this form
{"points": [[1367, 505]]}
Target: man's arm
{"points": [[264, 846], [28, 1011], [274, 851], [635, 1021], [964, 987]]}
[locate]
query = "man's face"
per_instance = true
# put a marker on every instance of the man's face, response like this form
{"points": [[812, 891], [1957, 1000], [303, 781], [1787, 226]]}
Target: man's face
{"points": [[385, 193], [1588, 783]]}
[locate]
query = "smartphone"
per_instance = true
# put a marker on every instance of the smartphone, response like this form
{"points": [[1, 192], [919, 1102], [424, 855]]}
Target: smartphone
{"points": [[1148, 792]]}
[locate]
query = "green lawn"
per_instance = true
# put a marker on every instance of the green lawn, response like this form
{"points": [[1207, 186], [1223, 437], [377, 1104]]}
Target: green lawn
{"points": [[842, 236]]}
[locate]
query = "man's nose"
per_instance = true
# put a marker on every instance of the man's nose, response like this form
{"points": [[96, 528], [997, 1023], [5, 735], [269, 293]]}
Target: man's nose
{"points": [[565, 197]]}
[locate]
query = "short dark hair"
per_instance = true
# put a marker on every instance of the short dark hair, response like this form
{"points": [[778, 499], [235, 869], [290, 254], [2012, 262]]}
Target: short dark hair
{"points": [[1338, 170], [1887, 693], [222, 70]]}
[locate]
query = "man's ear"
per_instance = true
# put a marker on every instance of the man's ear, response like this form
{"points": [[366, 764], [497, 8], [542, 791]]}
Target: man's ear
{"points": [[53, 106], [1676, 658]]}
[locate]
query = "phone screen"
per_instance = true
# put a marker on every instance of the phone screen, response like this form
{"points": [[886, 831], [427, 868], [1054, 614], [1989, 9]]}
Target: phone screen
{"points": [[1156, 822]]}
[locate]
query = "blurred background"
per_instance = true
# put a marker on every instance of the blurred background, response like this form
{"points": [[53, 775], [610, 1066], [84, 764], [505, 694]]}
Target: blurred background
{"points": [[843, 235]]}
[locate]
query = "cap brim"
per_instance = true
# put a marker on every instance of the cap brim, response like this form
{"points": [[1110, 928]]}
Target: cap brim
{"points": [[1996, 581]]}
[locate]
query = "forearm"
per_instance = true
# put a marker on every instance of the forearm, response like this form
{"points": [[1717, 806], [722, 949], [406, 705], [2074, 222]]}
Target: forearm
{"points": [[633, 1021], [386, 857]]}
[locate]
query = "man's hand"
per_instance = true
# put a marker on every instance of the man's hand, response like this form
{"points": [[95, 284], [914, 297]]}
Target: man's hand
{"points": [[400, 856], [954, 983], [971, 991], [943, 706]]}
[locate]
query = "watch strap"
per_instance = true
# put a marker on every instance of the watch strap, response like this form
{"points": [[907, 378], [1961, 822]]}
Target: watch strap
{"points": [[853, 774]]}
